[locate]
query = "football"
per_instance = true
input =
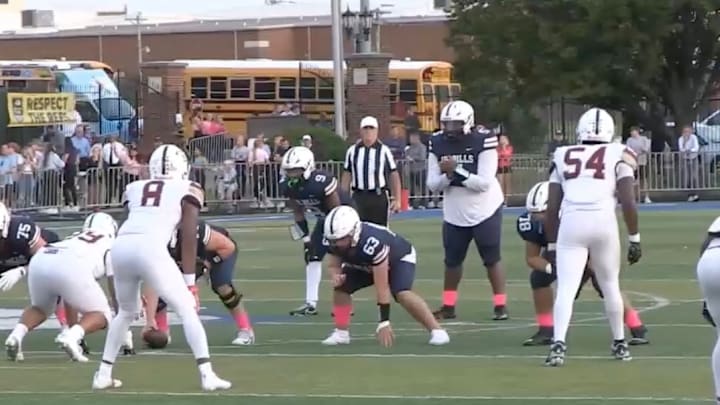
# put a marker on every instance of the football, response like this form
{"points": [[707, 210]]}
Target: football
{"points": [[155, 339]]}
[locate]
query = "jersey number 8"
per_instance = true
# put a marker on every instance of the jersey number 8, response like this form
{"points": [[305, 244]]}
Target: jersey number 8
{"points": [[575, 165]]}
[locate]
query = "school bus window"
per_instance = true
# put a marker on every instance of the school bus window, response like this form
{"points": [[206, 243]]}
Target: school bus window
{"points": [[240, 88], [198, 87], [455, 91], [427, 93], [393, 91], [218, 88], [265, 88], [308, 88], [287, 89], [442, 93], [408, 91], [326, 90]]}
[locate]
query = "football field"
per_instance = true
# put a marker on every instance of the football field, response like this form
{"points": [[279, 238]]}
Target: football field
{"points": [[484, 363]]}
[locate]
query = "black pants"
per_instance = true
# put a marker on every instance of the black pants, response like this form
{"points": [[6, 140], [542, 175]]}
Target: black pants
{"points": [[372, 206]]}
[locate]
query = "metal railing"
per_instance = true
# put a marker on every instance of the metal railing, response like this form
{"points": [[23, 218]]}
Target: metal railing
{"points": [[228, 185]]}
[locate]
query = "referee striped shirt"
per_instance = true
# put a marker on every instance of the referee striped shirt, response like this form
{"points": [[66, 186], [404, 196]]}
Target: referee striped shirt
{"points": [[369, 166]]}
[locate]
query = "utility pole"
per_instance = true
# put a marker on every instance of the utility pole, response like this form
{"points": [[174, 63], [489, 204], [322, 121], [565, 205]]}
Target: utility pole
{"points": [[338, 71], [138, 19]]}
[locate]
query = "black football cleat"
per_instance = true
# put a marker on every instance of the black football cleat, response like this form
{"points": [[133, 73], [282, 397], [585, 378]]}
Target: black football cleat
{"points": [[128, 351], [556, 357], [304, 310], [500, 313], [445, 312], [84, 347], [620, 350], [638, 336], [543, 337]]}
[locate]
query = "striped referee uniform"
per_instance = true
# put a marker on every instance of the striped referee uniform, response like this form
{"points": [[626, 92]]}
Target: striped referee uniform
{"points": [[369, 168]]}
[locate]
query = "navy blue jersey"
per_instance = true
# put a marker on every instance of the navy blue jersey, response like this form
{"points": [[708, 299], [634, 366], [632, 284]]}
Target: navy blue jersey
{"points": [[531, 230], [312, 193], [203, 239], [375, 244], [23, 237], [464, 149]]}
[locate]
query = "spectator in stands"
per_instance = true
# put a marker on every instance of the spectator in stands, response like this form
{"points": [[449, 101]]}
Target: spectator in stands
{"points": [[557, 140], [55, 137], [640, 144], [199, 165], [259, 160], [689, 147], [239, 154], [504, 171], [396, 142], [412, 123], [81, 144], [93, 170], [131, 166], [26, 178], [279, 149], [69, 175], [9, 162], [227, 182], [113, 153], [265, 146], [49, 179], [307, 142], [196, 121], [416, 155]]}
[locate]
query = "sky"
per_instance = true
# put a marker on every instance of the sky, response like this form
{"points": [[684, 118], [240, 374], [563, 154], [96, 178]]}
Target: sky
{"points": [[225, 8]]}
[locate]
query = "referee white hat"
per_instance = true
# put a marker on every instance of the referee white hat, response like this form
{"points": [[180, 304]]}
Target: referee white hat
{"points": [[369, 122]]}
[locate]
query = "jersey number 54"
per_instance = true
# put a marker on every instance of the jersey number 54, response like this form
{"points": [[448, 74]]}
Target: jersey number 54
{"points": [[574, 164]]}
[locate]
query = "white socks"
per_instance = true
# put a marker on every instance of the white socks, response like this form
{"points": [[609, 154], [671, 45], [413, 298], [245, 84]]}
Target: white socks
{"points": [[313, 276]]}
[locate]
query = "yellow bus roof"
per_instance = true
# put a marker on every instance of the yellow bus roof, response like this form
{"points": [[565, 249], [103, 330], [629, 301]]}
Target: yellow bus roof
{"points": [[57, 64], [395, 65]]}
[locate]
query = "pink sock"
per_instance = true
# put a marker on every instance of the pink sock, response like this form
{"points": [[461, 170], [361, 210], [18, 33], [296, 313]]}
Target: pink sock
{"points": [[342, 316], [449, 298], [161, 319], [242, 320], [632, 319], [499, 300], [60, 313], [544, 320]]}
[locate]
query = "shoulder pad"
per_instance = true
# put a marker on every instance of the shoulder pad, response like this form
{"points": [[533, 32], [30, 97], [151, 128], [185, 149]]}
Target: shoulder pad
{"points": [[715, 226]]}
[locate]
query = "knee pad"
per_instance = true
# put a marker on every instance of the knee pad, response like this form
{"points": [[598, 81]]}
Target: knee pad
{"points": [[231, 299], [540, 279]]}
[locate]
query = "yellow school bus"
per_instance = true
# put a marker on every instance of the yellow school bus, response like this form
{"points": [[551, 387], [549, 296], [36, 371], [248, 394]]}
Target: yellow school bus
{"points": [[60, 64], [238, 89]]}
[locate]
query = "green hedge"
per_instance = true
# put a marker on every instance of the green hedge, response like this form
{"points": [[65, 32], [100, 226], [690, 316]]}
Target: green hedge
{"points": [[327, 145]]}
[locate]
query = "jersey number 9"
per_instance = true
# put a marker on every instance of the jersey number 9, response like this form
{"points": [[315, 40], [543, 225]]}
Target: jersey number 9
{"points": [[575, 165]]}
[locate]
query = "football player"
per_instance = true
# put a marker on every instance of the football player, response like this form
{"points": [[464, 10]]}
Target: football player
{"points": [[542, 273], [308, 189], [585, 179], [156, 207], [217, 255], [462, 163], [69, 269], [364, 254], [708, 275]]}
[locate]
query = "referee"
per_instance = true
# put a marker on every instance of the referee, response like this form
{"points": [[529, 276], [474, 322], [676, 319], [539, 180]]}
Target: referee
{"points": [[368, 164]]}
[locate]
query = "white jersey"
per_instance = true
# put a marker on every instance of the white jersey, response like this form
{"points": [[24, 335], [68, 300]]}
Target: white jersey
{"points": [[155, 209], [90, 248], [589, 174]]}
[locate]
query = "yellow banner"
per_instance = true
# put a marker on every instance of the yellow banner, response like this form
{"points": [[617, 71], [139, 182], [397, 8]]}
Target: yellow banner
{"points": [[38, 109]]}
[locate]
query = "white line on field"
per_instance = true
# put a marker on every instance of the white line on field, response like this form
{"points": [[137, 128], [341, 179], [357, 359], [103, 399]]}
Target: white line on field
{"points": [[369, 396], [465, 281]]}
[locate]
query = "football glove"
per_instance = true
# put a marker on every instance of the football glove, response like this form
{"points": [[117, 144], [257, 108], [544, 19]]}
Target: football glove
{"points": [[11, 277], [706, 314], [634, 252], [307, 251]]}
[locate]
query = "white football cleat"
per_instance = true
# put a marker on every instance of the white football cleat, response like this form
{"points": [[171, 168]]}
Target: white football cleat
{"points": [[13, 349], [104, 383], [338, 337], [211, 382], [439, 337], [71, 347], [244, 338]]}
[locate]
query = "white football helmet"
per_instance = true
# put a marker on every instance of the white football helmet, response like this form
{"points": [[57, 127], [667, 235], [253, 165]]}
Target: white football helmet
{"points": [[299, 157], [169, 162], [537, 198], [595, 125], [101, 224], [342, 221], [456, 112], [4, 220]]}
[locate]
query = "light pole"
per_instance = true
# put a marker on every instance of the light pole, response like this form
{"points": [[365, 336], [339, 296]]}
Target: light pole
{"points": [[138, 20], [358, 26], [338, 72]]}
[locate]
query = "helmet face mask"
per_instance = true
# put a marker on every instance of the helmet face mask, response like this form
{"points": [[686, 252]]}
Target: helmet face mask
{"points": [[295, 176], [453, 128], [342, 244]]}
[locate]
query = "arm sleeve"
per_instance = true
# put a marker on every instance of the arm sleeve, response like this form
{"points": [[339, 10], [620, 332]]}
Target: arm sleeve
{"points": [[486, 171], [389, 160], [347, 166], [331, 185], [627, 164], [436, 180], [109, 272], [381, 255], [195, 194]]}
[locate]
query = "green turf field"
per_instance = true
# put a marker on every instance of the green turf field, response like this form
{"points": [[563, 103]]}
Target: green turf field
{"points": [[484, 364]]}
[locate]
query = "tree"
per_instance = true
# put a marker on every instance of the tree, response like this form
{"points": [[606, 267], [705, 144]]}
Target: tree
{"points": [[636, 56]]}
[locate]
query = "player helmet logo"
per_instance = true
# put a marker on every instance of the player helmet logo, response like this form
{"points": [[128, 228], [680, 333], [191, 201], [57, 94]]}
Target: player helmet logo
{"points": [[101, 224], [169, 162], [457, 118], [298, 162], [537, 198], [342, 222], [595, 125]]}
